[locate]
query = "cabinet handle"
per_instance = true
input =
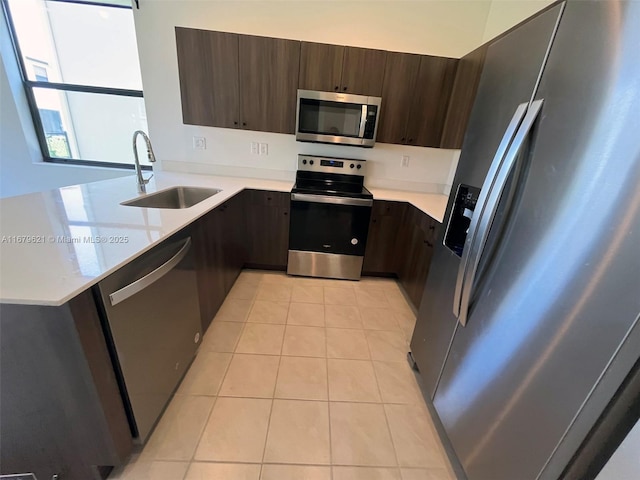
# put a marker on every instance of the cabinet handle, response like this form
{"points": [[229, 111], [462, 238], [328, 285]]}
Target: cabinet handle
{"points": [[402, 139], [429, 244], [336, 88], [286, 213], [410, 140], [235, 123], [244, 124], [344, 89], [373, 221]]}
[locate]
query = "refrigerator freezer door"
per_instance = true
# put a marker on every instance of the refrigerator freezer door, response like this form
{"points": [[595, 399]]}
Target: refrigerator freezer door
{"points": [[510, 74], [562, 292]]}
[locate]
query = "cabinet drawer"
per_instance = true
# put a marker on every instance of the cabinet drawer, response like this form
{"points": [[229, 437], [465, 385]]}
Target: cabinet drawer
{"points": [[267, 198]]}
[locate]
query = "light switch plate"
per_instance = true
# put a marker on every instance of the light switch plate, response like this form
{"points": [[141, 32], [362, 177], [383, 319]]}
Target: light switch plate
{"points": [[405, 161], [264, 149], [255, 149]]}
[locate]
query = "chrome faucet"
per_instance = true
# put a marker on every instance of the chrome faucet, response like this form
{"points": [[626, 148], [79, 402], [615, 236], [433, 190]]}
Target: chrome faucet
{"points": [[142, 182]]}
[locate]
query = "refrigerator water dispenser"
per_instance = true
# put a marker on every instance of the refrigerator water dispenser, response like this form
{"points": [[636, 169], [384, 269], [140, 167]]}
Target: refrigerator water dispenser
{"points": [[460, 218]]}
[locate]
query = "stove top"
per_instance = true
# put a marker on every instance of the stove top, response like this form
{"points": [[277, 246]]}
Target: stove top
{"points": [[339, 177]]}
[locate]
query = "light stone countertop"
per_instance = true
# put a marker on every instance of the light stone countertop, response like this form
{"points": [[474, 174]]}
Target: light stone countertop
{"points": [[56, 244]]}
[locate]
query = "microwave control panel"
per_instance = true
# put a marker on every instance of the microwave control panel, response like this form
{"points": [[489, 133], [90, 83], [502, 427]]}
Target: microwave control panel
{"points": [[370, 122]]}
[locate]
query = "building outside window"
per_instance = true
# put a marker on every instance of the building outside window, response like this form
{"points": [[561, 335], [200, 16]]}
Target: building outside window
{"points": [[81, 72]]}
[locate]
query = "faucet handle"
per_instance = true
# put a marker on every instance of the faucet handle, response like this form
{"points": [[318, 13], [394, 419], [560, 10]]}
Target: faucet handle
{"points": [[146, 180]]}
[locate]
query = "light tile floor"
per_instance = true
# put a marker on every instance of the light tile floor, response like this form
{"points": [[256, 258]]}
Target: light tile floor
{"points": [[298, 379]]}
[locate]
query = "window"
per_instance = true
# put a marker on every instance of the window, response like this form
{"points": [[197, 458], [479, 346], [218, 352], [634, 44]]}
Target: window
{"points": [[79, 61]]}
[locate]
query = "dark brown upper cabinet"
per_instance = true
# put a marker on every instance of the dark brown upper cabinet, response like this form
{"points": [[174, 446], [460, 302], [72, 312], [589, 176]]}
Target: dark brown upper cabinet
{"points": [[415, 97], [464, 91], [268, 83], [432, 94], [237, 81], [334, 68], [248, 82], [398, 95], [320, 67], [363, 71], [208, 70]]}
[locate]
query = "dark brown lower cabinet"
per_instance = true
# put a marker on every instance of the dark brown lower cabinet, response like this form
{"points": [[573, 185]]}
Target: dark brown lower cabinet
{"points": [[418, 235], [250, 229], [400, 242], [220, 254], [383, 252], [267, 220]]}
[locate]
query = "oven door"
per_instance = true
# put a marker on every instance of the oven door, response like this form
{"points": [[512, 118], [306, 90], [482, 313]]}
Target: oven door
{"points": [[329, 224], [328, 235]]}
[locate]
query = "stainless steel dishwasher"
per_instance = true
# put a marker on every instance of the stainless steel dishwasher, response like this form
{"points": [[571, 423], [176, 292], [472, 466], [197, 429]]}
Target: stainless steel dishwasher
{"points": [[152, 322]]}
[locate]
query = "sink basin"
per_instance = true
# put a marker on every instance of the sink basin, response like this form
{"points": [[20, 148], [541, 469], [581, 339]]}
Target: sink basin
{"points": [[175, 197]]}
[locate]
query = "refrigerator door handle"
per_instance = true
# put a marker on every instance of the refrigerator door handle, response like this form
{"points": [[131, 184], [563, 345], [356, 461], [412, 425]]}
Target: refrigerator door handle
{"points": [[487, 186], [484, 221]]}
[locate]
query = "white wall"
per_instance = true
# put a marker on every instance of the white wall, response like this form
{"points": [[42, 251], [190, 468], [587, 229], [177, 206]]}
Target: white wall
{"points": [[21, 167], [447, 28], [504, 14]]}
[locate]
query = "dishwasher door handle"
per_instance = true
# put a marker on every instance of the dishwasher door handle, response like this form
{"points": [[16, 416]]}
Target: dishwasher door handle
{"points": [[150, 278]]}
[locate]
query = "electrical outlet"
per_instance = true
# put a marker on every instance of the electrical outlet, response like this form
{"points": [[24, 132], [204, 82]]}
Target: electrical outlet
{"points": [[199, 143], [264, 149], [255, 148], [405, 161]]}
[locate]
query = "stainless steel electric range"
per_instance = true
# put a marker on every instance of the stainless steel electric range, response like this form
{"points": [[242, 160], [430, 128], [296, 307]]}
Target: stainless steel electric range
{"points": [[330, 213]]}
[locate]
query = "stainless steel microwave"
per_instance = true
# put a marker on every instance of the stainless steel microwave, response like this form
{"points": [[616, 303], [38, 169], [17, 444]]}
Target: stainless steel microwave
{"points": [[331, 117]]}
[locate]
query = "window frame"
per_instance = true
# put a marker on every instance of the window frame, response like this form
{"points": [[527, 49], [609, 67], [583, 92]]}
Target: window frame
{"points": [[29, 86]]}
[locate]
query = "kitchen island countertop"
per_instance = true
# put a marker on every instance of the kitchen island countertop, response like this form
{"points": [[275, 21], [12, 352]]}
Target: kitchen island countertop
{"points": [[57, 243]]}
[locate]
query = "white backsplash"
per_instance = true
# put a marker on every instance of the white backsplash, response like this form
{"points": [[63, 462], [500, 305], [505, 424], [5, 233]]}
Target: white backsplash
{"points": [[228, 152]]}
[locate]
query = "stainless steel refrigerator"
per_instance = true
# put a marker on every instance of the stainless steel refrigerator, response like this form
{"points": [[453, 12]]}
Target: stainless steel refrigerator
{"points": [[529, 319]]}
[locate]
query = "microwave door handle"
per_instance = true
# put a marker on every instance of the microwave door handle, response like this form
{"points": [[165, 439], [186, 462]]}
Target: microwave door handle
{"points": [[363, 121], [487, 186]]}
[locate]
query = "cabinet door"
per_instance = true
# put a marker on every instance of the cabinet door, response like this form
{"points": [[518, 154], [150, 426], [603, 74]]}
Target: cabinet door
{"points": [[267, 217], [416, 238], [462, 97], [208, 71], [234, 246], [320, 67], [381, 255], [269, 70], [398, 96], [363, 71], [209, 265], [435, 80], [231, 240]]}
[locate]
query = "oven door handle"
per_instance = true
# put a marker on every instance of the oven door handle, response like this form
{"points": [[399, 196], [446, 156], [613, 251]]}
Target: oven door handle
{"points": [[356, 202]]}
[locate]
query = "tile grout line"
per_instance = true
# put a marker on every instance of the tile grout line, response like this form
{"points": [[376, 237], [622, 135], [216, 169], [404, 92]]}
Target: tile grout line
{"points": [[326, 359], [384, 410], [273, 394]]}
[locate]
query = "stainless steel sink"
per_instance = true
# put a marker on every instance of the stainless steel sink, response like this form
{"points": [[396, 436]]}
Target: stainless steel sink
{"points": [[175, 197]]}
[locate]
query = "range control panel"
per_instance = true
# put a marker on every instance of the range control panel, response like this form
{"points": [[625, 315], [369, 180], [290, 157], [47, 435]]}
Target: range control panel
{"points": [[343, 166]]}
